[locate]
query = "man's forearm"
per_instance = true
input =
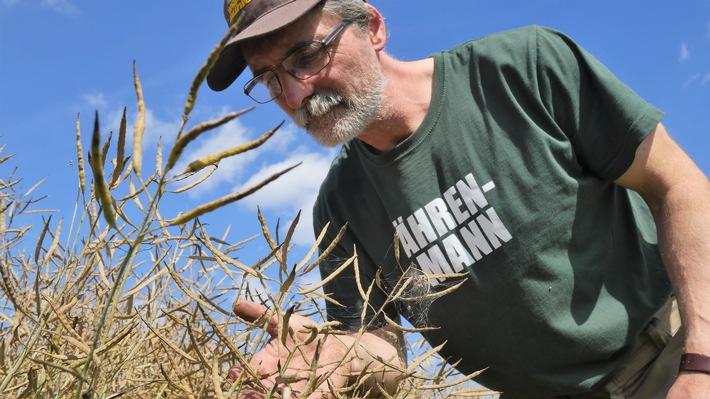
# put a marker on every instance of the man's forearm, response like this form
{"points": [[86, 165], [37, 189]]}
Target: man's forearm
{"points": [[678, 194], [683, 222]]}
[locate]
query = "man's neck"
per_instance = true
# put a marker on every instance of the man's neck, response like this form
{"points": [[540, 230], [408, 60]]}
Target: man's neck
{"points": [[408, 91]]}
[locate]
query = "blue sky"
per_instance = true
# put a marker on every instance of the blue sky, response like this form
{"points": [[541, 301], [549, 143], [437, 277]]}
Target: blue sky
{"points": [[59, 58]]}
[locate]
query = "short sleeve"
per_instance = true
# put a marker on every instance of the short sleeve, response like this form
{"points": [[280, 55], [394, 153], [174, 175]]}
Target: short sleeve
{"points": [[604, 119]]}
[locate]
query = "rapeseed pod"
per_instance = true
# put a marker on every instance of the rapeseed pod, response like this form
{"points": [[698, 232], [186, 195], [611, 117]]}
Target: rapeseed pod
{"points": [[139, 127], [97, 166]]}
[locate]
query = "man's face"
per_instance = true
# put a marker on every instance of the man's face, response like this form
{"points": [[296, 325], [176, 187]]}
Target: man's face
{"points": [[339, 102]]}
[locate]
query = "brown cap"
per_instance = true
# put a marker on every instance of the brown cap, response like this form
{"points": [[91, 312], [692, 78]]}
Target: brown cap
{"points": [[255, 18]]}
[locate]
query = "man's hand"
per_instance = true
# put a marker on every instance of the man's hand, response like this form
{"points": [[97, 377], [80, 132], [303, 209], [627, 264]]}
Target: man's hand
{"points": [[297, 361]]}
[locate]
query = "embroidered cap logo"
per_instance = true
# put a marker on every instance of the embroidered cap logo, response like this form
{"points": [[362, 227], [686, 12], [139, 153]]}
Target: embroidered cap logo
{"points": [[235, 6]]}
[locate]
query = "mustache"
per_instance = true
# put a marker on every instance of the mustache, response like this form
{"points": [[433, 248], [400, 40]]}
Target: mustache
{"points": [[317, 105]]}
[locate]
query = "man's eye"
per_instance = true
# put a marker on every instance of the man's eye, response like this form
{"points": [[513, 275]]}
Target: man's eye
{"points": [[268, 79], [308, 56]]}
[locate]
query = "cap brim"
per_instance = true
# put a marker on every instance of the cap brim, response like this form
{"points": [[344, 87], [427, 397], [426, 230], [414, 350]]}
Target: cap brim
{"points": [[231, 62]]}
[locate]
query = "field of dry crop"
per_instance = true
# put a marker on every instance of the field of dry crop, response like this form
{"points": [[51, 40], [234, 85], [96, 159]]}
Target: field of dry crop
{"points": [[115, 300]]}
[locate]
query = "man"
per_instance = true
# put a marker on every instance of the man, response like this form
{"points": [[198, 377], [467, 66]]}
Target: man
{"points": [[510, 196]]}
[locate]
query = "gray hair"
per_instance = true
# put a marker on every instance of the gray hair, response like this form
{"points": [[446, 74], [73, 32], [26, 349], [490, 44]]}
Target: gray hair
{"points": [[352, 10]]}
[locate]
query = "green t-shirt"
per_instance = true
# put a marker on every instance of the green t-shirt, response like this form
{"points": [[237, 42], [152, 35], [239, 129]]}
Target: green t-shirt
{"points": [[507, 181]]}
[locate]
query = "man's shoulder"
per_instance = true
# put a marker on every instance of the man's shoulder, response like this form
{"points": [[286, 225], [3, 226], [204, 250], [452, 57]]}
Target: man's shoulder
{"points": [[515, 40]]}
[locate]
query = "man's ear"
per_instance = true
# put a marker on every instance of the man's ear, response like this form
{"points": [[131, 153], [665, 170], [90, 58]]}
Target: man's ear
{"points": [[378, 31]]}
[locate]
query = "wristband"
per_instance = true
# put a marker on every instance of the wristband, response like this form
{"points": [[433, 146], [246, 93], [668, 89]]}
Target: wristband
{"points": [[695, 362]]}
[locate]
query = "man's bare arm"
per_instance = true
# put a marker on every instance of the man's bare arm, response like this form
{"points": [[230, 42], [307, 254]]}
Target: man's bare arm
{"points": [[678, 194]]}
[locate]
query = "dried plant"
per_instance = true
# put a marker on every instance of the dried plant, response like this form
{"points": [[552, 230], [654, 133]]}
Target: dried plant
{"points": [[125, 303]]}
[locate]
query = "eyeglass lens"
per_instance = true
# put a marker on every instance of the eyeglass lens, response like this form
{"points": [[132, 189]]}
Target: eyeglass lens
{"points": [[303, 63]]}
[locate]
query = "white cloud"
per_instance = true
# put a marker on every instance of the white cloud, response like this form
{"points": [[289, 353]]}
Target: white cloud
{"points": [[288, 191], [684, 52], [690, 80], [95, 100], [62, 6], [156, 128], [283, 140], [295, 191], [697, 79], [110, 120]]}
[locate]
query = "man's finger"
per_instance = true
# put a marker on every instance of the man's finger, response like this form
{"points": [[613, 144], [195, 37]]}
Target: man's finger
{"points": [[256, 313], [235, 372]]}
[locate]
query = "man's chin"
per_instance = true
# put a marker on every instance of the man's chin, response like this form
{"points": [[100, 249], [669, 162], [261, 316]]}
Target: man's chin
{"points": [[321, 129], [331, 129], [329, 137], [325, 139]]}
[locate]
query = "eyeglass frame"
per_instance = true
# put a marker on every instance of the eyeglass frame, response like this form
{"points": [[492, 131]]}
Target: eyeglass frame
{"points": [[256, 80]]}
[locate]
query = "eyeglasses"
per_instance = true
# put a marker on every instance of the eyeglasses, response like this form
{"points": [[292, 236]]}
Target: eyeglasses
{"points": [[302, 63]]}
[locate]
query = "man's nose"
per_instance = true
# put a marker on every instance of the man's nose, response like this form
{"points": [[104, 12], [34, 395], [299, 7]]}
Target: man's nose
{"points": [[294, 91]]}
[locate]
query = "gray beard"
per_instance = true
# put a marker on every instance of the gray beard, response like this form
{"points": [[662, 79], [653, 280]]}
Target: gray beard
{"points": [[331, 119], [316, 106]]}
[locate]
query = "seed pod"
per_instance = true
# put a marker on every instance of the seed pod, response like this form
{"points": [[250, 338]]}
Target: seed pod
{"points": [[139, 126], [159, 158], [204, 70], [197, 165], [80, 157], [120, 151], [195, 132], [100, 187], [201, 179], [227, 199]]}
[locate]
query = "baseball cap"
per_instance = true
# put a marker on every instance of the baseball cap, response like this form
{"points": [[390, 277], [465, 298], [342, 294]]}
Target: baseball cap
{"points": [[254, 18]]}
